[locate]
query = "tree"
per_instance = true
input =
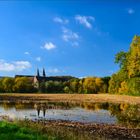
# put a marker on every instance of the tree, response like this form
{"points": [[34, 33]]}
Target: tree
{"points": [[54, 87], [66, 89], [134, 86], [133, 66], [1, 86], [89, 85], [42, 87], [74, 85], [116, 80], [23, 85], [126, 80], [121, 59], [8, 84], [123, 88], [99, 84], [81, 88], [105, 86]]}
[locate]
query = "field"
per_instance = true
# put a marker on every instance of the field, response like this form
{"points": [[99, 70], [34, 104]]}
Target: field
{"points": [[92, 98]]}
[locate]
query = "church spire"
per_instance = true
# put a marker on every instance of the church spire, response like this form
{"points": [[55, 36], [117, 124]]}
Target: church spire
{"points": [[38, 73], [44, 74]]}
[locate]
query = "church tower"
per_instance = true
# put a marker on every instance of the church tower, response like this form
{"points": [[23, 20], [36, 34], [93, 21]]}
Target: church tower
{"points": [[38, 75], [44, 73]]}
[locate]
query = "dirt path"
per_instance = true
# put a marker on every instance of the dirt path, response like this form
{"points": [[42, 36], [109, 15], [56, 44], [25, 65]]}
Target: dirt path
{"points": [[71, 98]]}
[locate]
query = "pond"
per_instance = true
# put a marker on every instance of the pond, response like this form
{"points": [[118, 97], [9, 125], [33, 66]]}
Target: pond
{"points": [[128, 115]]}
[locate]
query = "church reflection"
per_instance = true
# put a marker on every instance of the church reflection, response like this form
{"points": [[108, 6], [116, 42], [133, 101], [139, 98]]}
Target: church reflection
{"points": [[39, 108]]}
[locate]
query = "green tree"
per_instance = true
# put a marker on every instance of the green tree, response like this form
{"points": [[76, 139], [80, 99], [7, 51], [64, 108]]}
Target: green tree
{"points": [[116, 80], [126, 80], [80, 87], [134, 86], [121, 59], [54, 87], [8, 84], [42, 87], [74, 85], [105, 86], [66, 89], [1, 86], [24, 85]]}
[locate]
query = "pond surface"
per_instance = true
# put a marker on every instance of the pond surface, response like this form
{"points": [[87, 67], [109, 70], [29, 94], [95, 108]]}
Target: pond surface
{"points": [[84, 112], [74, 114]]}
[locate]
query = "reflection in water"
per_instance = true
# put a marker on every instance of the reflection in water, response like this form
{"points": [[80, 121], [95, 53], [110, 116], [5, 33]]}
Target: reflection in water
{"points": [[85, 112], [38, 112], [40, 107]]}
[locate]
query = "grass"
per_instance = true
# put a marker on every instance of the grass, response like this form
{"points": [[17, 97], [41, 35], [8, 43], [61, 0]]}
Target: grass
{"points": [[12, 131], [93, 98], [28, 130], [63, 130]]}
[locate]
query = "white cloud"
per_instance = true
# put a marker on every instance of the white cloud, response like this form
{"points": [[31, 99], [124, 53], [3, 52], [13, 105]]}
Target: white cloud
{"points": [[49, 46], [130, 11], [85, 20], [38, 59], [60, 20], [69, 35], [14, 66], [27, 53]]}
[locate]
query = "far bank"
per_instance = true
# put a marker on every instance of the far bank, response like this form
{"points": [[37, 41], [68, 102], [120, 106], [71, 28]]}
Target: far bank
{"points": [[91, 98]]}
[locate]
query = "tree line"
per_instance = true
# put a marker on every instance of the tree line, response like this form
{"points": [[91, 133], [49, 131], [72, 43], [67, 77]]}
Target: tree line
{"points": [[16, 85], [75, 85]]}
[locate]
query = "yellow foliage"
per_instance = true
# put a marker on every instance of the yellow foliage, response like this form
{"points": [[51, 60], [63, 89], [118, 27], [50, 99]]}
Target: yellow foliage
{"points": [[92, 84], [133, 66], [98, 81], [124, 106], [124, 87]]}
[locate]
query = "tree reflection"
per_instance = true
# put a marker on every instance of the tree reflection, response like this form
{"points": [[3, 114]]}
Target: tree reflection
{"points": [[125, 113]]}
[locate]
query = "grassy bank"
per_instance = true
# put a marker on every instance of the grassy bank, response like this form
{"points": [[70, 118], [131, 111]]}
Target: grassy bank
{"points": [[34, 130], [13, 131], [64, 130], [92, 98]]}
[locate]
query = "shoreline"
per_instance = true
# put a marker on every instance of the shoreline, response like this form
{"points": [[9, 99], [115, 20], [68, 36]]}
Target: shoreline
{"points": [[90, 98], [109, 131]]}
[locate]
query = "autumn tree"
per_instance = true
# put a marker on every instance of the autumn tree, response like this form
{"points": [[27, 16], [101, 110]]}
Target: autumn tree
{"points": [[23, 85], [74, 85], [7, 84], [133, 65], [126, 80], [121, 59], [92, 84]]}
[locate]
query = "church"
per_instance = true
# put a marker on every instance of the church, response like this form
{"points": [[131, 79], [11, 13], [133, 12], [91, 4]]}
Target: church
{"points": [[38, 78]]}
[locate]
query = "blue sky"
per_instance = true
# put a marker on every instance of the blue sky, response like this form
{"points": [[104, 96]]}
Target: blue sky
{"points": [[66, 37]]}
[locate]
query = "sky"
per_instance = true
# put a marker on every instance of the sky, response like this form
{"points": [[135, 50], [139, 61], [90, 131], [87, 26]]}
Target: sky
{"points": [[66, 37]]}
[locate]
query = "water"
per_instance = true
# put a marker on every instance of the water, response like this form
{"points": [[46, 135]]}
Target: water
{"points": [[74, 114], [84, 112]]}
